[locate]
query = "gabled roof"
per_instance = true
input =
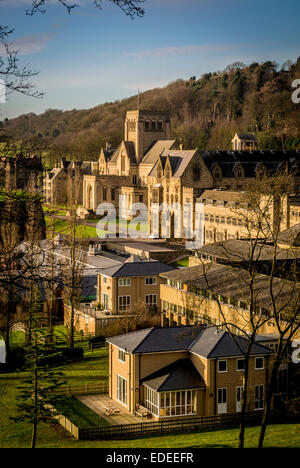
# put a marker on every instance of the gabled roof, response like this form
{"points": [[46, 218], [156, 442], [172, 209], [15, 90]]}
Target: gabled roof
{"points": [[180, 375], [246, 136], [130, 150], [179, 160], [156, 150], [108, 153], [214, 343], [132, 269], [208, 342]]}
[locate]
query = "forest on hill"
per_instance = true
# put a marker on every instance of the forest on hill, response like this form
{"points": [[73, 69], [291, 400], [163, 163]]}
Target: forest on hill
{"points": [[205, 112]]}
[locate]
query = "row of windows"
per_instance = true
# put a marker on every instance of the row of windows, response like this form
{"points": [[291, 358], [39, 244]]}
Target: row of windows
{"points": [[153, 126], [222, 398], [125, 301], [225, 220], [150, 281], [240, 364], [176, 403]]}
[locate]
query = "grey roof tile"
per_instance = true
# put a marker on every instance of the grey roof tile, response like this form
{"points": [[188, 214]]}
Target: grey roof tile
{"points": [[180, 375], [133, 269]]}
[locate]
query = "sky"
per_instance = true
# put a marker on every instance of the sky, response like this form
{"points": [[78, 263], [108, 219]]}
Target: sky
{"points": [[94, 56]]}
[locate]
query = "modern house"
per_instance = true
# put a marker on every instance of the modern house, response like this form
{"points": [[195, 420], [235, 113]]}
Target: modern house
{"points": [[130, 286], [185, 371]]}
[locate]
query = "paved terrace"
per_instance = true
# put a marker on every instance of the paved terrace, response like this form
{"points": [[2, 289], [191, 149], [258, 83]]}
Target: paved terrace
{"points": [[98, 403]]}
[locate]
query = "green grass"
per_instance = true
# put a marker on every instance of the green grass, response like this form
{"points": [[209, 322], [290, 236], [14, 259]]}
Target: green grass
{"points": [[182, 263], [60, 225], [93, 369], [79, 414]]}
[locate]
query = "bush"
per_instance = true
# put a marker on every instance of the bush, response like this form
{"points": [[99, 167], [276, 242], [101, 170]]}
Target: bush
{"points": [[72, 353]]}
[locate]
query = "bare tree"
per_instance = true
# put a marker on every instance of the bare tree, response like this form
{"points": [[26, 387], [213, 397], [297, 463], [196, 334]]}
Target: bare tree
{"points": [[131, 8], [74, 264], [16, 78], [263, 215]]}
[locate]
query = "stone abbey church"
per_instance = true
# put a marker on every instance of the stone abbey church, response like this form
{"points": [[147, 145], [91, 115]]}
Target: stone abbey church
{"points": [[150, 167]]}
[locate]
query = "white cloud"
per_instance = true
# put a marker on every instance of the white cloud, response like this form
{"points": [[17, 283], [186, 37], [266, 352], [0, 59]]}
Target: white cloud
{"points": [[30, 44]]}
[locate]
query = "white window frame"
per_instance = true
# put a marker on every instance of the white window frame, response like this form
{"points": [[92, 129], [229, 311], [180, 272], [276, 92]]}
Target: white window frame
{"points": [[240, 370], [151, 304], [263, 363], [106, 299], [222, 371], [122, 355], [172, 401], [127, 305], [124, 282], [222, 410], [105, 279], [121, 394], [153, 279], [261, 397]]}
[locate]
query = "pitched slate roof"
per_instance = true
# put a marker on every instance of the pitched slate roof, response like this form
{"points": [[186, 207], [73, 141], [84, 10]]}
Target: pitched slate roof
{"points": [[237, 250], [156, 150], [179, 160], [130, 150], [214, 343], [246, 136], [208, 342], [180, 375], [148, 268], [228, 160], [129, 341], [234, 284], [290, 236]]}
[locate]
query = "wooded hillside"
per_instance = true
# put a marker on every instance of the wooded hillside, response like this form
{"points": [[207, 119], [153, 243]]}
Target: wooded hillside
{"points": [[205, 112]]}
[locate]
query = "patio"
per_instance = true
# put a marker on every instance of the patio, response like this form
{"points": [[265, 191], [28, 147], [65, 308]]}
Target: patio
{"points": [[99, 403]]}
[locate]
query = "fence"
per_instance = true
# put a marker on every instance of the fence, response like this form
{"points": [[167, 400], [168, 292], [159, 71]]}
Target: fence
{"points": [[127, 431], [85, 389]]}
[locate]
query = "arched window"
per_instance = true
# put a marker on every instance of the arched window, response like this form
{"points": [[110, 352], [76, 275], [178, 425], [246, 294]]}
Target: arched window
{"points": [[153, 125], [217, 172]]}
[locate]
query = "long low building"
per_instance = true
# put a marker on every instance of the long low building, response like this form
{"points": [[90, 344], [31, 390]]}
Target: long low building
{"points": [[210, 293]]}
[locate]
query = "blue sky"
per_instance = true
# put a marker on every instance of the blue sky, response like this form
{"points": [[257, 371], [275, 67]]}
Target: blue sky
{"points": [[92, 56]]}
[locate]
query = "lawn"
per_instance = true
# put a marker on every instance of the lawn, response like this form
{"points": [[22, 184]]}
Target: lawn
{"points": [[181, 263], [61, 225], [79, 414], [92, 369]]}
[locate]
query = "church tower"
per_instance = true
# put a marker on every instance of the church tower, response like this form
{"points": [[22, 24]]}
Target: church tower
{"points": [[144, 127]]}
